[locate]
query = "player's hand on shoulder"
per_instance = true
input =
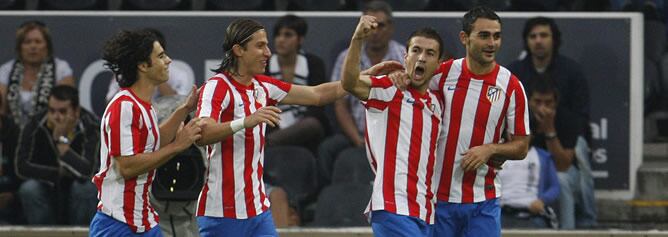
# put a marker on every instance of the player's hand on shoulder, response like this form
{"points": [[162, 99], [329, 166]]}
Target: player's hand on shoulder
{"points": [[400, 79], [268, 114], [383, 68], [366, 26]]}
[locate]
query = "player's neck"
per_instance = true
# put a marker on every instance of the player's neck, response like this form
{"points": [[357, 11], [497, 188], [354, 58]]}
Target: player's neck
{"points": [[143, 88], [241, 76], [477, 68]]}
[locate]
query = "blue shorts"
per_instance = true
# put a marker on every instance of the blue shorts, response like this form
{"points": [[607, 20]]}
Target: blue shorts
{"points": [[468, 219], [389, 224], [260, 225], [104, 225]]}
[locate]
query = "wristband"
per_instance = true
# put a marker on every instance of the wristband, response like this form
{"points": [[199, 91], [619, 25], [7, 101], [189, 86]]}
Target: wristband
{"points": [[550, 136], [237, 125]]}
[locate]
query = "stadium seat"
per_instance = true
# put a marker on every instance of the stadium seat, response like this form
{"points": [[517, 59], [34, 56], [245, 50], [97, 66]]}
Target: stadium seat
{"points": [[293, 169], [351, 169], [408, 5], [342, 205], [655, 40], [156, 4], [8, 4], [652, 86], [71, 5], [318, 5], [243, 5]]}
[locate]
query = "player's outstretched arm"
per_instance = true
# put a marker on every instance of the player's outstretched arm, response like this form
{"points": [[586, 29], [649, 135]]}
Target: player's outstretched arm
{"points": [[135, 165], [356, 84], [213, 131]]}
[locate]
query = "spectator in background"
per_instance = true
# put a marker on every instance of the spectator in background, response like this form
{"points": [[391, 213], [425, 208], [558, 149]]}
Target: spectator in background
{"points": [[56, 158], [350, 113], [542, 40], [8, 181], [180, 80], [555, 131], [530, 187], [26, 82], [300, 125]]}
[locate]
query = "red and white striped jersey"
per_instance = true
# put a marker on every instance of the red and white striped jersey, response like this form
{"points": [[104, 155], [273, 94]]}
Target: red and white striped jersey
{"points": [[233, 186], [478, 110], [129, 127], [401, 134]]}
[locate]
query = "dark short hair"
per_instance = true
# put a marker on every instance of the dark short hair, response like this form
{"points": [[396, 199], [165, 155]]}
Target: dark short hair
{"points": [[542, 21], [28, 26], [542, 83], [378, 6], [238, 32], [429, 33], [66, 93], [124, 51], [292, 22], [158, 36], [478, 12]]}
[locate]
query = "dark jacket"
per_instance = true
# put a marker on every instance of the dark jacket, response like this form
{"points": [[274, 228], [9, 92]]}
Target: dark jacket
{"points": [[569, 79], [9, 133], [37, 156]]}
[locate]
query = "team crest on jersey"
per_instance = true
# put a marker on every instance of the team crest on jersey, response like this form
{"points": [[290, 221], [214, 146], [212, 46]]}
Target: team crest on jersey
{"points": [[493, 94], [258, 93]]}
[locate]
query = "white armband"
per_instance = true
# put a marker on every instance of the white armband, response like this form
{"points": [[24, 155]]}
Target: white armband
{"points": [[237, 125]]}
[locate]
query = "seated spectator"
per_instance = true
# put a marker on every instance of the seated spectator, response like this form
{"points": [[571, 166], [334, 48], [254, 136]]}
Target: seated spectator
{"points": [[180, 80], [530, 187], [56, 158], [8, 181], [350, 113], [300, 125], [25, 82], [542, 40], [553, 129]]}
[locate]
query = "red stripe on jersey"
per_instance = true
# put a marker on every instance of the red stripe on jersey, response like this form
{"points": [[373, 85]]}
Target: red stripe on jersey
{"points": [[227, 156], [260, 168], [129, 202], [490, 189], [394, 119], [520, 128], [381, 82], [205, 190], [453, 136], [435, 122], [477, 139], [376, 104], [414, 151], [144, 210], [248, 159], [445, 69], [284, 86]]}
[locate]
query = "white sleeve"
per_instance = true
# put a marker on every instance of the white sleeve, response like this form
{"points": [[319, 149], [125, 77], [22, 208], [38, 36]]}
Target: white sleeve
{"points": [[5, 69], [63, 69]]}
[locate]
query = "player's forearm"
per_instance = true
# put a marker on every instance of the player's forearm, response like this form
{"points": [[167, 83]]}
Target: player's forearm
{"points": [[351, 66], [133, 166], [213, 132], [169, 127], [516, 149], [329, 92]]}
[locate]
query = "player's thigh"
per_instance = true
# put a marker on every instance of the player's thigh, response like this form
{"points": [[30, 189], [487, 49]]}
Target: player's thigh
{"points": [[486, 221], [264, 226], [448, 222], [388, 224]]}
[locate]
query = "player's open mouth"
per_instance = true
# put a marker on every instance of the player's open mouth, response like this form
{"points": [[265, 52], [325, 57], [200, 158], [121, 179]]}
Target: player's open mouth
{"points": [[418, 73]]}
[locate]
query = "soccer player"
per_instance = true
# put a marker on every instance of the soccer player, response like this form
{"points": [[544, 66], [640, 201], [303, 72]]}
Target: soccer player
{"points": [[235, 106], [401, 133], [133, 145], [483, 100]]}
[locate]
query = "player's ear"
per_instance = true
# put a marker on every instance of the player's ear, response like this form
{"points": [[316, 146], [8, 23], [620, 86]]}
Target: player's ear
{"points": [[143, 66], [237, 50], [462, 37]]}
